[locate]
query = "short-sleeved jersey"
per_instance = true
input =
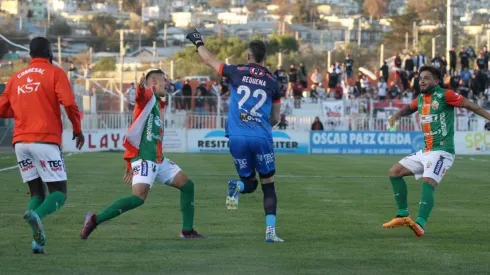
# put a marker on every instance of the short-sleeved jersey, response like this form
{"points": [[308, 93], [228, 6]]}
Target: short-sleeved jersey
{"points": [[253, 90], [436, 111]]}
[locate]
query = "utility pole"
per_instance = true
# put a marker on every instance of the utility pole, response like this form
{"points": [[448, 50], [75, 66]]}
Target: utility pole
{"points": [[449, 30], [121, 70], [359, 33]]}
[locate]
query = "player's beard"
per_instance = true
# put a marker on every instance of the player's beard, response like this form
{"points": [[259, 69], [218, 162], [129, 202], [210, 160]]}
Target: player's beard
{"points": [[428, 90]]}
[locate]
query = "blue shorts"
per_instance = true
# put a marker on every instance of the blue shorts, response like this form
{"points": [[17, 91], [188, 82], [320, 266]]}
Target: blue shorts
{"points": [[252, 154]]}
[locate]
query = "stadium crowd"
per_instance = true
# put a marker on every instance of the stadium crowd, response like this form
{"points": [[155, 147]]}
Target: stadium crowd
{"points": [[395, 81]]}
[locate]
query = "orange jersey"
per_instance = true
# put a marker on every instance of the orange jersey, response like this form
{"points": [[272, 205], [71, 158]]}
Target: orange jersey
{"points": [[33, 97]]}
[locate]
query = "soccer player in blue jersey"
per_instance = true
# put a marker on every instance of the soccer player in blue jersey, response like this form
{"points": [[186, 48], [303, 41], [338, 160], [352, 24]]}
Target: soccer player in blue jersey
{"points": [[254, 108]]}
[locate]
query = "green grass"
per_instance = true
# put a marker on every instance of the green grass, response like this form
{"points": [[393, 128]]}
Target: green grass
{"points": [[331, 222]]}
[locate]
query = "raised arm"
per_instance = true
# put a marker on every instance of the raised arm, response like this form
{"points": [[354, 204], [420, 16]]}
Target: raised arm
{"points": [[477, 109], [405, 111], [209, 58]]}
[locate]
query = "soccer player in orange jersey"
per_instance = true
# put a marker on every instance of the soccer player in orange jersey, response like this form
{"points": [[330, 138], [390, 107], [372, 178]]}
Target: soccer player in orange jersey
{"points": [[33, 97], [435, 107], [145, 160]]}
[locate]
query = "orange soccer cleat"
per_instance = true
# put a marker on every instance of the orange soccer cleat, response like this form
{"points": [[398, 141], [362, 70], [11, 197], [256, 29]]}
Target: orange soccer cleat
{"points": [[416, 228], [397, 222]]}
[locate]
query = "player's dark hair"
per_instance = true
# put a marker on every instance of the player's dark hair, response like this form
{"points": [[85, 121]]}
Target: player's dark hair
{"points": [[435, 72], [41, 48], [153, 71], [258, 49]]}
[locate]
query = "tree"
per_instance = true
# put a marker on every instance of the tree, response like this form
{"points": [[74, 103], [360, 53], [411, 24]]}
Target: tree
{"points": [[105, 64], [281, 43], [59, 27], [304, 12], [103, 26], [375, 8], [433, 10], [400, 25], [223, 4]]}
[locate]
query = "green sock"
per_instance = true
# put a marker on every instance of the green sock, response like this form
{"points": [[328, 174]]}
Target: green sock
{"points": [[426, 203], [401, 194], [35, 202], [187, 205], [51, 203], [118, 207]]}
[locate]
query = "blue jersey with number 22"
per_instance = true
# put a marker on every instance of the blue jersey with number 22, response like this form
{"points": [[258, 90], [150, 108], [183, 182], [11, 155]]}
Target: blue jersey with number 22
{"points": [[253, 89]]}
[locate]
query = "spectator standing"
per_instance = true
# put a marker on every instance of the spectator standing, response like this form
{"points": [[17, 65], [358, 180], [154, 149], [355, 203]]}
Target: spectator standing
{"points": [[483, 81], [464, 58], [177, 84], [201, 89], [382, 87], [332, 78], [317, 125], [409, 65], [131, 94], [282, 78], [480, 62], [302, 74], [293, 75], [385, 71], [465, 76], [452, 61], [297, 94], [349, 68], [199, 101], [421, 60], [179, 101], [486, 55], [398, 62], [187, 94], [214, 95], [316, 77]]}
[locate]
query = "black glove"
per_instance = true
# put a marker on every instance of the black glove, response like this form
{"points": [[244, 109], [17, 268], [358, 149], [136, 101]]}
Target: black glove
{"points": [[196, 38]]}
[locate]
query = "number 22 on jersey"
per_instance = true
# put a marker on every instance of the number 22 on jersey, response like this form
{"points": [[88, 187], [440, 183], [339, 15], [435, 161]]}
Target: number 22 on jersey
{"points": [[258, 94]]}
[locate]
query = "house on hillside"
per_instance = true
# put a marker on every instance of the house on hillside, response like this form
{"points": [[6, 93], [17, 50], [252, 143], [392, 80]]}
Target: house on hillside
{"points": [[174, 35]]}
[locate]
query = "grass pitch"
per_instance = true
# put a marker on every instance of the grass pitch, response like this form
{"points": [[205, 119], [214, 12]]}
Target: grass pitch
{"points": [[330, 213]]}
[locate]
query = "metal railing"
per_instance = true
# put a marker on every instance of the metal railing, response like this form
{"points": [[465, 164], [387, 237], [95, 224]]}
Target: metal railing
{"points": [[354, 122]]}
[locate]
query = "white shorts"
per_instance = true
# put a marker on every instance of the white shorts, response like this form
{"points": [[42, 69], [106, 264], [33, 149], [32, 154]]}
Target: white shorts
{"points": [[433, 164], [40, 160], [145, 171]]}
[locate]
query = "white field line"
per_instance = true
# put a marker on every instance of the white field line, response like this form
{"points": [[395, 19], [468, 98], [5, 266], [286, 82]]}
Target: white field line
{"points": [[15, 166]]}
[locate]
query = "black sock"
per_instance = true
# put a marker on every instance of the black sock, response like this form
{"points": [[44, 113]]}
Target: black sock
{"points": [[270, 199], [249, 185]]}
